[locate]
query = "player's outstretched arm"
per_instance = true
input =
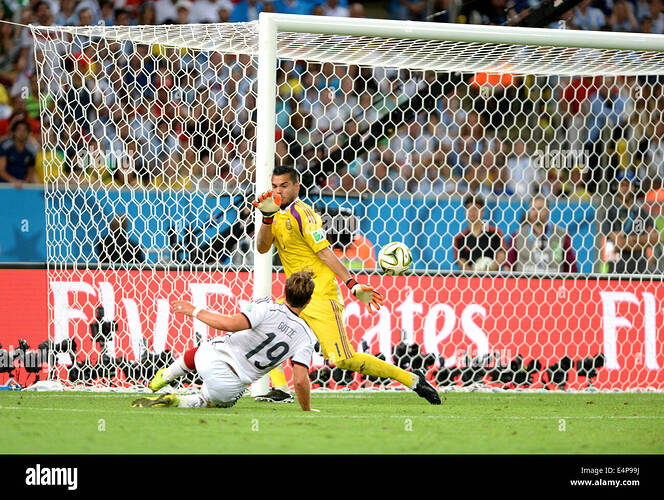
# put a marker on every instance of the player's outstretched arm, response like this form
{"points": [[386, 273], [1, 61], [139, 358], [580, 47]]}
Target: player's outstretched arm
{"points": [[302, 386], [223, 322], [364, 293]]}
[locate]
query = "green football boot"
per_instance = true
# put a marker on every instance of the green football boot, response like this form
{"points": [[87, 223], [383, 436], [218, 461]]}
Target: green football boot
{"points": [[156, 402], [158, 381]]}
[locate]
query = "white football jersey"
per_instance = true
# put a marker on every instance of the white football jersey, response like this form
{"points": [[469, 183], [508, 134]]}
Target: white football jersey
{"points": [[276, 334]]}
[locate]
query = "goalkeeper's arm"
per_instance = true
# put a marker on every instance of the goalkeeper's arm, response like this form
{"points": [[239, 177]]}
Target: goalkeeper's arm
{"points": [[365, 293], [268, 204]]}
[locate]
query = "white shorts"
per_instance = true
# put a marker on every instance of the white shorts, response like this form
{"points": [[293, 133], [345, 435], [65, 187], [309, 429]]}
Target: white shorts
{"points": [[221, 386]]}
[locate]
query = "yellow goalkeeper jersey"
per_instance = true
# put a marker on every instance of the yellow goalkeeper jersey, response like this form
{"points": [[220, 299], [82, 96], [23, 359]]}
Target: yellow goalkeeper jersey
{"points": [[299, 235]]}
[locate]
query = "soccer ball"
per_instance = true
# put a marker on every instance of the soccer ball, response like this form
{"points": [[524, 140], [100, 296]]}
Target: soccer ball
{"points": [[395, 258]]}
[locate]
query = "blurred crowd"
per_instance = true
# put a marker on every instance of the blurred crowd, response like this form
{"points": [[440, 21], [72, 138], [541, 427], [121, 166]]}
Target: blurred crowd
{"points": [[186, 119]]}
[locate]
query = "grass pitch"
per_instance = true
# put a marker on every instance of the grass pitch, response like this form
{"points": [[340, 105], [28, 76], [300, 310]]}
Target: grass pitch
{"points": [[367, 423]]}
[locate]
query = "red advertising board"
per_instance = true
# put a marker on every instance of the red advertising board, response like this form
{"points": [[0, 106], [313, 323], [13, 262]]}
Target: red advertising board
{"points": [[449, 316]]}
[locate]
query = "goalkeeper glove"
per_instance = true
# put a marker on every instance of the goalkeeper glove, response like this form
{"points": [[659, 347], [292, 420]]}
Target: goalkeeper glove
{"points": [[366, 294], [269, 204]]}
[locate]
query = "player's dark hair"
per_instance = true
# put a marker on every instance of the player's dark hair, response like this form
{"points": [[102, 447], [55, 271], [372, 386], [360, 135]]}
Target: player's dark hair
{"points": [[299, 287], [474, 199], [287, 170]]}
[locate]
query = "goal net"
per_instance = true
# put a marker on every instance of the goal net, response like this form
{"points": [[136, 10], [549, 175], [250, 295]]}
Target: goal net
{"points": [[523, 168]]}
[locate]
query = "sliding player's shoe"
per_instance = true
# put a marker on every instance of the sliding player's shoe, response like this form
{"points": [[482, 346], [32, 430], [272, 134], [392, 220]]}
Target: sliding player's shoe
{"points": [[158, 381], [276, 396], [425, 390], [156, 401]]}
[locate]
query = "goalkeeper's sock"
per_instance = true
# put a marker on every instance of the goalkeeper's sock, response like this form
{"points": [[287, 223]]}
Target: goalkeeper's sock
{"points": [[366, 364], [181, 366], [278, 378]]}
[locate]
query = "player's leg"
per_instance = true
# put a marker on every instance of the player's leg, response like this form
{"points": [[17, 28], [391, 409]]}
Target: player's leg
{"points": [[181, 366], [164, 376], [221, 385], [326, 320]]}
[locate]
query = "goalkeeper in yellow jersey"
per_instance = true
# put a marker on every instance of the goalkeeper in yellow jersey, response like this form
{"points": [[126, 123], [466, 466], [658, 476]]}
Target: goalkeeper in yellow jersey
{"points": [[296, 230]]}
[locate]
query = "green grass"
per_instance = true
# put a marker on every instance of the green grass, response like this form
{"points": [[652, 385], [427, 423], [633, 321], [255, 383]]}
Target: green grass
{"points": [[45, 423]]}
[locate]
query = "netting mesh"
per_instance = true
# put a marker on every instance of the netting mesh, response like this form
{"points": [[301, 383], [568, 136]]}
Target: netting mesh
{"points": [[525, 180]]}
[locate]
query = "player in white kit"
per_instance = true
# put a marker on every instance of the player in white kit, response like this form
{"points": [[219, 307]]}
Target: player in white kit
{"points": [[260, 337]]}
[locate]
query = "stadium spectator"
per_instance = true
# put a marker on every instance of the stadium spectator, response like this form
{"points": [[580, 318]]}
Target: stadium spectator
{"points": [[606, 110], [656, 11], [629, 229], [42, 16], [10, 51], [117, 247], [68, 13], [654, 201], [476, 178], [166, 11], [215, 176], [125, 178], [336, 8], [346, 182], [522, 169], [205, 11], [645, 25], [245, 11], [407, 10], [121, 17], [539, 246], [302, 7], [654, 154], [17, 156], [183, 8], [576, 187], [553, 186], [147, 14], [587, 17], [499, 177], [106, 9], [485, 12], [622, 17], [480, 247], [356, 9], [50, 162]]}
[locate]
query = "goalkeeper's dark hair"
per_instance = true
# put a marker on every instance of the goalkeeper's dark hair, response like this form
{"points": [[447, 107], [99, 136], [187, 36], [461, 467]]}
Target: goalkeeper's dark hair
{"points": [[287, 170], [299, 287]]}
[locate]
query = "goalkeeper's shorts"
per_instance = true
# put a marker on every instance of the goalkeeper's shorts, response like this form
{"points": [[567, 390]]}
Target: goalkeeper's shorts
{"points": [[325, 318]]}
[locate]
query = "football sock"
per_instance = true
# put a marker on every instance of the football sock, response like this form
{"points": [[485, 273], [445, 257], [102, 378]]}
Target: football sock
{"points": [[278, 378], [176, 370], [367, 364], [192, 401]]}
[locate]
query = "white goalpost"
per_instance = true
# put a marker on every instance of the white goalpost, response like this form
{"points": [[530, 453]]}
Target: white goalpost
{"points": [[156, 138]]}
